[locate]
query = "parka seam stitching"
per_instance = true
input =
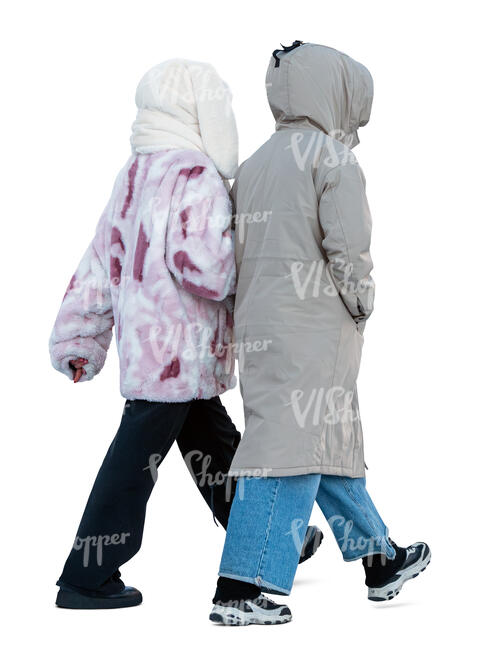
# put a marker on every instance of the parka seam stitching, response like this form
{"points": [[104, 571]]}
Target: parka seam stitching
{"points": [[338, 214], [288, 93]]}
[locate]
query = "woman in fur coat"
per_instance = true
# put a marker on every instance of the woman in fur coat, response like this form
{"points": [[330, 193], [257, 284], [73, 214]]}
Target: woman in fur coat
{"points": [[160, 269]]}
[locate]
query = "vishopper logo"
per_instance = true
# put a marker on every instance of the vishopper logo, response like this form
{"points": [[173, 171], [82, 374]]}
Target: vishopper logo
{"points": [[307, 280], [98, 542], [190, 341], [240, 221], [311, 279], [297, 526], [192, 222], [350, 544], [154, 462], [246, 475], [199, 464], [94, 292], [357, 545], [244, 349], [332, 406], [309, 147], [190, 84]]}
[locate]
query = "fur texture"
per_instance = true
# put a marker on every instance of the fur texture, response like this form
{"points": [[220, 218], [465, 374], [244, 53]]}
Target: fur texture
{"points": [[159, 268]]}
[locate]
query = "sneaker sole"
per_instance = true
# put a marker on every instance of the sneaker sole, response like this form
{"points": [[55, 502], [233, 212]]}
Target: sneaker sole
{"points": [[389, 591], [232, 616], [74, 600]]}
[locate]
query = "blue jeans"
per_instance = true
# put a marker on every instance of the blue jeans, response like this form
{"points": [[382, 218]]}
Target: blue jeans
{"points": [[269, 518]]}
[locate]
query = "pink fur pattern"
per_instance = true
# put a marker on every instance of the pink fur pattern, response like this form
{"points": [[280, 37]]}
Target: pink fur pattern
{"points": [[160, 268]]}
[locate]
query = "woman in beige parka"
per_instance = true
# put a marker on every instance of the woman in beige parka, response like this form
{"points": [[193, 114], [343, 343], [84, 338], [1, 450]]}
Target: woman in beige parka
{"points": [[304, 294]]}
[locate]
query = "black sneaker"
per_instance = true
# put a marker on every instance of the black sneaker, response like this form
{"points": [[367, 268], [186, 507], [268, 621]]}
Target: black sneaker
{"points": [[385, 579], [260, 611], [312, 541], [71, 599]]}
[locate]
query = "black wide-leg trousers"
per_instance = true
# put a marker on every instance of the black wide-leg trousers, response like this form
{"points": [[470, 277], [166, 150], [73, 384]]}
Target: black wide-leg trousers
{"points": [[111, 529]]}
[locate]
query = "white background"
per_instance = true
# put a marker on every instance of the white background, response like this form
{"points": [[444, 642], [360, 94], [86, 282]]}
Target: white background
{"points": [[69, 72]]}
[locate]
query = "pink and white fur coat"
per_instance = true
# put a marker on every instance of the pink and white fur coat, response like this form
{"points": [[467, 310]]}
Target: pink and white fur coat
{"points": [[161, 265]]}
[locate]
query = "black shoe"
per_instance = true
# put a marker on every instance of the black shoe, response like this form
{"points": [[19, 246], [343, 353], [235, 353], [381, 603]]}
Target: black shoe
{"points": [[260, 611], [385, 578], [128, 597], [312, 541]]}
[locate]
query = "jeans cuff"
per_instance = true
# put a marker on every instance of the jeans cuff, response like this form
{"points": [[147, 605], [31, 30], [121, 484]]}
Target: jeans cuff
{"points": [[265, 586], [379, 547]]}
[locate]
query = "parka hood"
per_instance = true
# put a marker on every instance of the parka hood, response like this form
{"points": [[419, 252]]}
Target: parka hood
{"points": [[315, 86]]}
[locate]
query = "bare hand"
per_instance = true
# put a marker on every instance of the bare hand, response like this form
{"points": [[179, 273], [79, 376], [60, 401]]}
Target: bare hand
{"points": [[78, 370]]}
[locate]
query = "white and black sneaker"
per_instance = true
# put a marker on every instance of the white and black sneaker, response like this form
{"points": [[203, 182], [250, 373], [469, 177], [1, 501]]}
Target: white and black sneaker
{"points": [[385, 579], [259, 611]]}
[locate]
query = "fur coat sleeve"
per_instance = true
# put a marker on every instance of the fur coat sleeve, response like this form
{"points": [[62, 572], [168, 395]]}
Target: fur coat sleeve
{"points": [[83, 327]]}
